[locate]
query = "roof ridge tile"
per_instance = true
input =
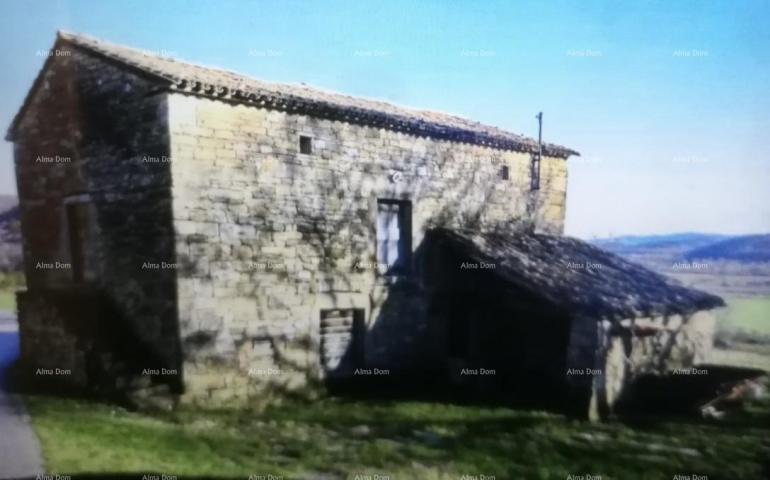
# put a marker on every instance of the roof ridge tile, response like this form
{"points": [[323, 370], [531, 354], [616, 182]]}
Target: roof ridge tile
{"points": [[214, 82]]}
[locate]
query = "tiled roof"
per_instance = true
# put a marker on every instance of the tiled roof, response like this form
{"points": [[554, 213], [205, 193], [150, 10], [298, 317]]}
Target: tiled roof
{"points": [[234, 87], [577, 276]]}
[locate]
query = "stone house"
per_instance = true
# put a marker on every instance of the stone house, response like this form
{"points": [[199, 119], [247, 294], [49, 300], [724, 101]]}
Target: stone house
{"points": [[195, 231]]}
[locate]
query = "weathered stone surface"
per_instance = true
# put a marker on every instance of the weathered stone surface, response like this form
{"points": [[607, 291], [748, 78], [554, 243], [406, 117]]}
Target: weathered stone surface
{"points": [[112, 131], [641, 346], [292, 227]]}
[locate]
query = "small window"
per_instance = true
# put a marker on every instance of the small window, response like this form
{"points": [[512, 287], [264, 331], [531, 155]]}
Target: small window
{"points": [[305, 145], [535, 174], [394, 236], [504, 172]]}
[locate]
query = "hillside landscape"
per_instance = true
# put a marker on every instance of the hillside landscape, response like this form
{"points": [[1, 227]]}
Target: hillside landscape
{"points": [[747, 248], [720, 264], [735, 267]]}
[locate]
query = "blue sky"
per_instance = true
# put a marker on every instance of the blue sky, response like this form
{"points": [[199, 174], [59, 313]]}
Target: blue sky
{"points": [[667, 101]]}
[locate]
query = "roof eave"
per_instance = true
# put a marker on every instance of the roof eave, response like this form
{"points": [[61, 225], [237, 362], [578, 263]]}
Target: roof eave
{"points": [[67, 38], [292, 103], [372, 118], [603, 310]]}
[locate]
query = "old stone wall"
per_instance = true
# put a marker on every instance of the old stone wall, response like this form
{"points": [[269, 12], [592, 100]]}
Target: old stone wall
{"points": [[267, 236], [53, 351], [254, 239], [583, 366], [95, 135], [608, 357], [46, 171], [663, 344]]}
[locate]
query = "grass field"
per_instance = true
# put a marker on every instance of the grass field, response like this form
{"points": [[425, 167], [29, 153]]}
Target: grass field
{"points": [[8, 300], [402, 440], [750, 314], [743, 333], [9, 283], [738, 357]]}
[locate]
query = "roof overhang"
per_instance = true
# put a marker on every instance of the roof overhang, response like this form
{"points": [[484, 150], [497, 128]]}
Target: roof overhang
{"points": [[576, 276], [190, 79]]}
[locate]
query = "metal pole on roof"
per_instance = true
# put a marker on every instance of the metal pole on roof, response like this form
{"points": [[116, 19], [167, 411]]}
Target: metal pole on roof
{"points": [[536, 163], [540, 132]]}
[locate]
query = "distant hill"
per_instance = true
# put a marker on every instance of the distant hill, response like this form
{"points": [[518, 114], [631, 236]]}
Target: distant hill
{"points": [[730, 265], [691, 246], [745, 248], [645, 244]]}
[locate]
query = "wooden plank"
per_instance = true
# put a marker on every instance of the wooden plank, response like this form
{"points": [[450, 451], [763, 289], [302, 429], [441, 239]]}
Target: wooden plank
{"points": [[336, 338], [337, 313], [336, 330], [347, 319], [338, 346], [345, 325]]}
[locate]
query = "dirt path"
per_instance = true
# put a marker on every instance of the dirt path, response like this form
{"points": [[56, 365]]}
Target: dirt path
{"points": [[20, 454]]}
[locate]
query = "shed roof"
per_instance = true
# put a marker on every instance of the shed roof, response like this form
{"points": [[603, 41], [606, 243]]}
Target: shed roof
{"points": [[234, 87], [577, 276]]}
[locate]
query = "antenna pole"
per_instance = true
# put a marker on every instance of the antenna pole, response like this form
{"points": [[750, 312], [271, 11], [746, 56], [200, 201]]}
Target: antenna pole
{"points": [[540, 133], [535, 183]]}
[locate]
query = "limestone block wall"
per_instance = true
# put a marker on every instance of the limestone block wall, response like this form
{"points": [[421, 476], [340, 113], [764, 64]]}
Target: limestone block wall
{"points": [[663, 344], [583, 367], [625, 350], [45, 155], [268, 236], [49, 344], [91, 134]]}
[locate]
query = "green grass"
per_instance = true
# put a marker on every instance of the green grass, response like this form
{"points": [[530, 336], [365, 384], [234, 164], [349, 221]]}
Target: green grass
{"points": [[749, 314], [739, 357], [8, 300], [404, 440], [11, 280], [9, 283]]}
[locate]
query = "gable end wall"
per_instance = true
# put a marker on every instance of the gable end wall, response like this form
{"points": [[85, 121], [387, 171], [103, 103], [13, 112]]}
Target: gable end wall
{"points": [[99, 124]]}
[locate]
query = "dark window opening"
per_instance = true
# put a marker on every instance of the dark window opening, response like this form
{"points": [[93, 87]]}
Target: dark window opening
{"points": [[394, 236], [305, 145], [504, 173], [77, 223], [535, 174]]}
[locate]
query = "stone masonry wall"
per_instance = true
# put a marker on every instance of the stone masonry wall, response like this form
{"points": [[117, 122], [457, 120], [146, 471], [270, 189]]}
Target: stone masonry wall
{"points": [[90, 134], [605, 357], [268, 236], [661, 345]]}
